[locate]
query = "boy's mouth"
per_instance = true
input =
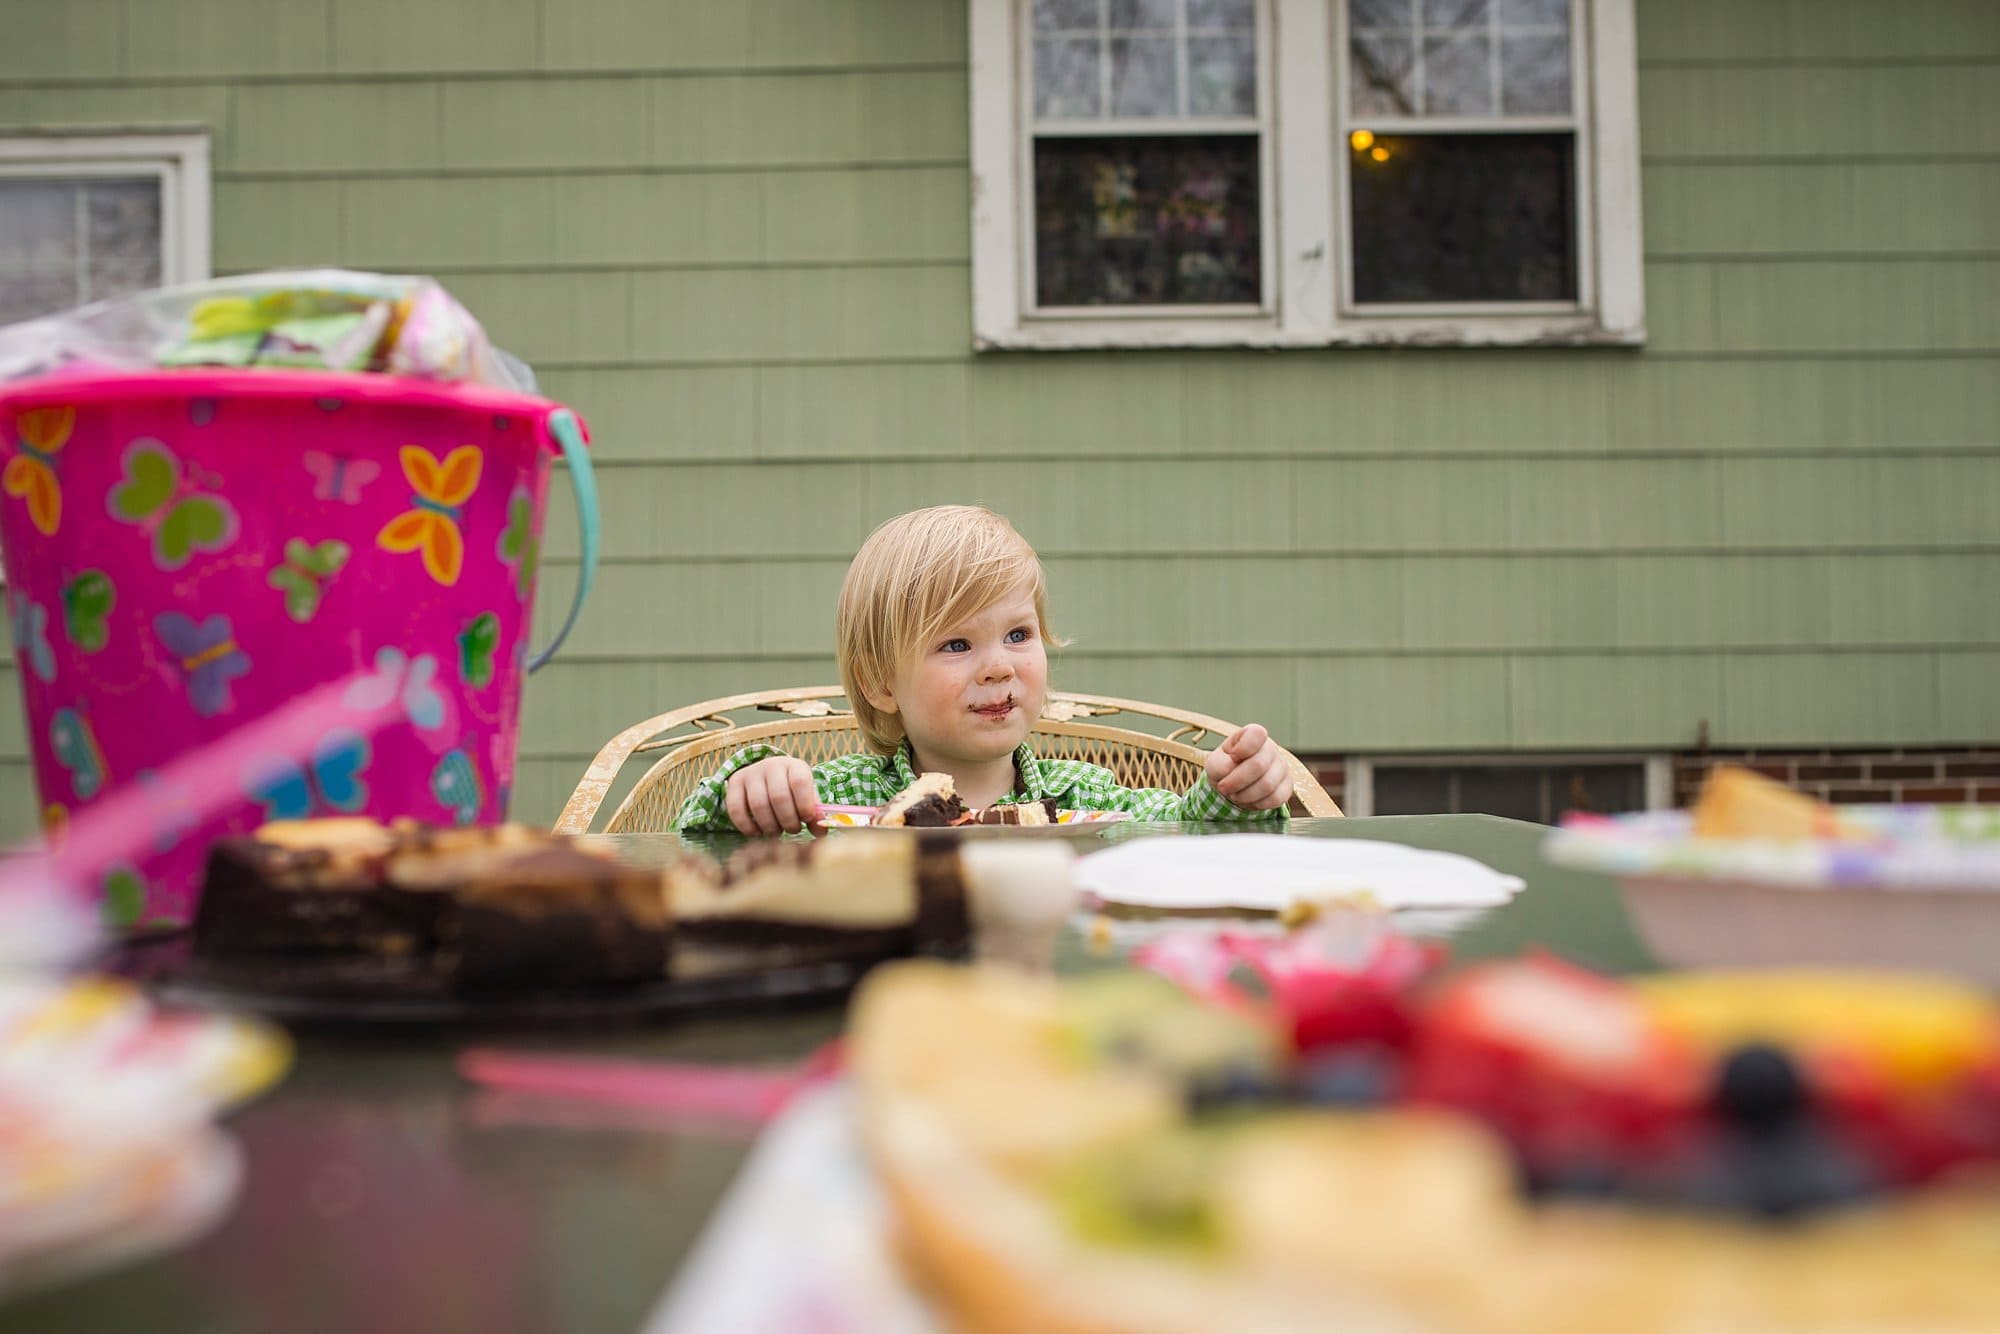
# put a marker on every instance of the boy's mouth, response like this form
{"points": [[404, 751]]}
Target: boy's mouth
{"points": [[996, 710]]}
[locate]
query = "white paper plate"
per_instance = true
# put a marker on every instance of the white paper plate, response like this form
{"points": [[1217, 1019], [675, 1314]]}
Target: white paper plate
{"points": [[1269, 872], [801, 1242]]}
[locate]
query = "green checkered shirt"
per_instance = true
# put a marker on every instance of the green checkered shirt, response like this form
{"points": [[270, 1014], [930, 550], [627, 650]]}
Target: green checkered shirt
{"points": [[871, 780]]}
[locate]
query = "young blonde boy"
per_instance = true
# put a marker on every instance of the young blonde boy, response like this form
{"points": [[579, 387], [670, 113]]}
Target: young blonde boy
{"points": [[942, 633]]}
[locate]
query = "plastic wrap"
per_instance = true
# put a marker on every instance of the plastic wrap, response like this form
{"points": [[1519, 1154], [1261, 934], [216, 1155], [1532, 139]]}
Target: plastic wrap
{"points": [[317, 319]]}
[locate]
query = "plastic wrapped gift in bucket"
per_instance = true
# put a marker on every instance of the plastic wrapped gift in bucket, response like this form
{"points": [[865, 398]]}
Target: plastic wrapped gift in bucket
{"points": [[187, 549]]}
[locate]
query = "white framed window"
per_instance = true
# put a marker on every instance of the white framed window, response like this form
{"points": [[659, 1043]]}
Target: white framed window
{"points": [[1304, 172], [88, 216], [1537, 788]]}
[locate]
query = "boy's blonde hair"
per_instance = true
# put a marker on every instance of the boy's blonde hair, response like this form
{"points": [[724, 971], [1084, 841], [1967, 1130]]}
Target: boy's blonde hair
{"points": [[914, 576]]}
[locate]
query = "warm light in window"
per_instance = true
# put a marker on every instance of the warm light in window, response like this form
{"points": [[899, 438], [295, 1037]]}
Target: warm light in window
{"points": [[1362, 140], [1379, 153]]}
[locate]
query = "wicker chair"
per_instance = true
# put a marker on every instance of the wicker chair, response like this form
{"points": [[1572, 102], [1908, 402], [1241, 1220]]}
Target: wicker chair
{"points": [[817, 725]]}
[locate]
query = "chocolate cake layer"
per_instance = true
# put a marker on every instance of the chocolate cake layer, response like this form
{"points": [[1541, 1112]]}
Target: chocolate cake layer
{"points": [[477, 909], [944, 923], [266, 898], [557, 917]]}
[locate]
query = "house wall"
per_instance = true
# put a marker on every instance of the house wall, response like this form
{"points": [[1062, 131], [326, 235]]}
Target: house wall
{"points": [[735, 236]]}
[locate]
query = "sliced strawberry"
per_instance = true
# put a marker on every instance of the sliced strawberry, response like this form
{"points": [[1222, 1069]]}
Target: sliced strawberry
{"points": [[1563, 1062], [1912, 1135]]}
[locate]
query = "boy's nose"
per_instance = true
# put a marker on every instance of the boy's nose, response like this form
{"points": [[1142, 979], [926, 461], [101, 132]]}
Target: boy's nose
{"points": [[996, 669]]}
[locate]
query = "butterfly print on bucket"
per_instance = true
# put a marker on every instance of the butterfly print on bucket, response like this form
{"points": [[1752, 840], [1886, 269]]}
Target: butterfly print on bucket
{"points": [[400, 680], [338, 478], [166, 503], [76, 749], [207, 656], [87, 602], [519, 546], [332, 781], [31, 639], [431, 525], [307, 570], [476, 643], [32, 474], [455, 783]]}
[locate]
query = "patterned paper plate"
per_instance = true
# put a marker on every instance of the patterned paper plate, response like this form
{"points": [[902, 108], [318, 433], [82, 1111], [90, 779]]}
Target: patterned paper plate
{"points": [[107, 1147], [863, 817]]}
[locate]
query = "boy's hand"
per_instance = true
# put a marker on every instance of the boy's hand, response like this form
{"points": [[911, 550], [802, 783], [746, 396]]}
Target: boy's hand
{"points": [[1249, 769], [772, 796]]}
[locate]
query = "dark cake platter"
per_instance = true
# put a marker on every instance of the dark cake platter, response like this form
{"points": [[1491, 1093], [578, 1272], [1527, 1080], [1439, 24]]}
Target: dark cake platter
{"points": [[375, 992]]}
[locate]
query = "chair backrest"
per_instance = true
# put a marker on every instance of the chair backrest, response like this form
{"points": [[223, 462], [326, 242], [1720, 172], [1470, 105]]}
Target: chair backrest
{"points": [[693, 742]]}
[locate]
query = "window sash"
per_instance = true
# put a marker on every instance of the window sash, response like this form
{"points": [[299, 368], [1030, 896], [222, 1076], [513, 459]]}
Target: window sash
{"points": [[157, 172], [1306, 187], [1656, 768], [1027, 128], [1583, 161], [179, 160]]}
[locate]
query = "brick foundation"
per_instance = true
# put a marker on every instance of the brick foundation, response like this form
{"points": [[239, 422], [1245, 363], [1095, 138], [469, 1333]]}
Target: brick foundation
{"points": [[1928, 774], [1935, 774], [1332, 775]]}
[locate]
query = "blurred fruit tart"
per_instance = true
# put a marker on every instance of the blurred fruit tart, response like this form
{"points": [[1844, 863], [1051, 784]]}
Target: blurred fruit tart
{"points": [[1528, 1148]]}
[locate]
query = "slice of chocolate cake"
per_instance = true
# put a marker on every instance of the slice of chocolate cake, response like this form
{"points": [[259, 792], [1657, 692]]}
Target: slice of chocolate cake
{"points": [[555, 916], [335, 903], [943, 925], [846, 897], [1041, 812], [928, 803], [312, 887]]}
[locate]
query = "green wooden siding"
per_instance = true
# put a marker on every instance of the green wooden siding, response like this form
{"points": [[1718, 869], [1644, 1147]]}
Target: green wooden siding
{"points": [[736, 237]]}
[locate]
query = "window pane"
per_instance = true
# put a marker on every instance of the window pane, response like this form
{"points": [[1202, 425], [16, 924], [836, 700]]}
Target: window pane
{"points": [[1145, 79], [24, 296], [1383, 76], [1147, 221], [1458, 75], [1604, 788], [1515, 792], [1380, 14], [1145, 14], [1457, 13], [124, 218], [74, 240], [1534, 75], [37, 224], [1226, 14], [1412, 791], [1535, 792], [1066, 71], [1534, 13], [1222, 76], [1066, 14], [1468, 217]]}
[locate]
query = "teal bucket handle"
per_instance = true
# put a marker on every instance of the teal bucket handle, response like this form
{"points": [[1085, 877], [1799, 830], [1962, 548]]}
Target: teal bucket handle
{"points": [[563, 426]]}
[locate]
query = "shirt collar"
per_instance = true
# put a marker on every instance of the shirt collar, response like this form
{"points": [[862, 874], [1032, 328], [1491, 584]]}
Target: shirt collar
{"points": [[902, 768]]}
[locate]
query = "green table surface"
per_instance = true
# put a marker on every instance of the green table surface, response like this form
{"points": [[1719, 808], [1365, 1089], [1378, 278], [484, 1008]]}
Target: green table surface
{"points": [[385, 1194]]}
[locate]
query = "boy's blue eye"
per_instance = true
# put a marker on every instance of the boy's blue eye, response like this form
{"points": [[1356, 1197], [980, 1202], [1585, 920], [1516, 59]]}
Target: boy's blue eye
{"points": [[1020, 634], [957, 646]]}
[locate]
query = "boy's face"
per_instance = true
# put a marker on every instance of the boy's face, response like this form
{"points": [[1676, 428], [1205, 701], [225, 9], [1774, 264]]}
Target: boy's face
{"points": [[974, 690]]}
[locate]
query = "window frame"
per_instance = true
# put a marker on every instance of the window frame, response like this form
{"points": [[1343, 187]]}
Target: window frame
{"points": [[1358, 796], [1307, 241], [1150, 128], [177, 157]]}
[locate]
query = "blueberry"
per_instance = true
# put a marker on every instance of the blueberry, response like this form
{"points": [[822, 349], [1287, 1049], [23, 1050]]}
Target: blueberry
{"points": [[1760, 1089], [1230, 1086], [1775, 1175], [1588, 1178], [1801, 1172], [1355, 1077]]}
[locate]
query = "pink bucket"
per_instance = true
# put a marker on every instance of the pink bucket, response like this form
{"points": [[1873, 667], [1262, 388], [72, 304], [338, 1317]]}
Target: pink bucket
{"points": [[187, 550]]}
